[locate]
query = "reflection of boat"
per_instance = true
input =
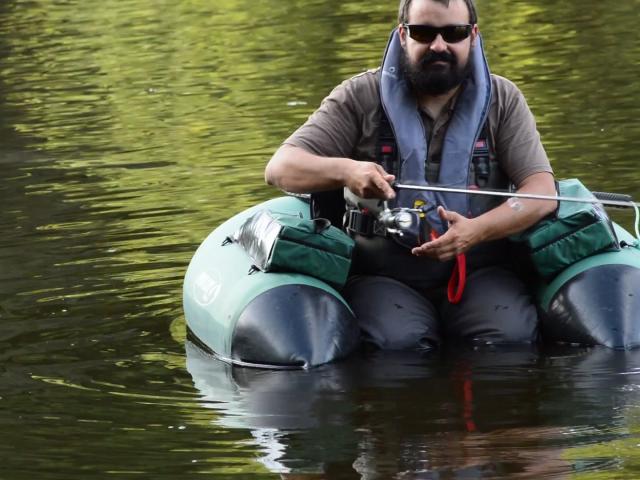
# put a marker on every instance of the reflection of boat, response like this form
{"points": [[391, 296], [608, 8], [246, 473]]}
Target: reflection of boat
{"points": [[277, 406], [263, 399], [293, 320], [391, 412]]}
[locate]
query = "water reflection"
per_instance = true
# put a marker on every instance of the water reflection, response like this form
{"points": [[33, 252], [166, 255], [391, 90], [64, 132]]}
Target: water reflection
{"points": [[478, 414]]}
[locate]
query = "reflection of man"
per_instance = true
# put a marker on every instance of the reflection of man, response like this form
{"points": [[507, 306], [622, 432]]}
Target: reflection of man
{"points": [[431, 115]]}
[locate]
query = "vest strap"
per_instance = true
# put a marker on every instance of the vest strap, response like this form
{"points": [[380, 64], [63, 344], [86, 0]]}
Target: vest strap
{"points": [[386, 146], [481, 159], [363, 223]]}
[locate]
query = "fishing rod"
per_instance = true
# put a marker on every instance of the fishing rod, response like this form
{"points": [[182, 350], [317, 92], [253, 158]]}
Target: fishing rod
{"points": [[603, 198]]}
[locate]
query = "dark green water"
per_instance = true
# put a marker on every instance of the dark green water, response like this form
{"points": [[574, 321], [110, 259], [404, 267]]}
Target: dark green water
{"points": [[129, 129]]}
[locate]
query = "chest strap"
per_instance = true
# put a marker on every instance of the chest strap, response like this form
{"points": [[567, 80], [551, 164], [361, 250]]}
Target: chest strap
{"points": [[386, 147], [481, 160], [387, 152]]}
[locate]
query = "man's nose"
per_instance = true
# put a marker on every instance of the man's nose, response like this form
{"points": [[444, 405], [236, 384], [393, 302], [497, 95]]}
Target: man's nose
{"points": [[438, 44]]}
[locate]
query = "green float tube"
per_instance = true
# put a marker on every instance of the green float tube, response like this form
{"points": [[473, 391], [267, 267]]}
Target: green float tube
{"points": [[271, 320], [596, 301], [292, 320]]}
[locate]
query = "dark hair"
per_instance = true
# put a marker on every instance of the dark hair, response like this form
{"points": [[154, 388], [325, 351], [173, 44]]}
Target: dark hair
{"points": [[403, 10]]}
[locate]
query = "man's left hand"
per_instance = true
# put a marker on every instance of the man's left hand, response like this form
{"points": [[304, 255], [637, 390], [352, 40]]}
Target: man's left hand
{"points": [[460, 237]]}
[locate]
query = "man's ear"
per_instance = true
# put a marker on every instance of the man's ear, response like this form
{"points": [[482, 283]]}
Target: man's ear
{"points": [[474, 34], [403, 35]]}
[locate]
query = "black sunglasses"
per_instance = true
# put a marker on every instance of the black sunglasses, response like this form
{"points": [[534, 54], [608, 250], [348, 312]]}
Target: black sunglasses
{"points": [[428, 33]]}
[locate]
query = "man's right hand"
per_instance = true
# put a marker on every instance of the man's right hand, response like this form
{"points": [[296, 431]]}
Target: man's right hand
{"points": [[293, 169], [369, 180]]}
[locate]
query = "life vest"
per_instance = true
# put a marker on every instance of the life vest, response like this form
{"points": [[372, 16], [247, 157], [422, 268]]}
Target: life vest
{"points": [[402, 150], [465, 154], [484, 169]]}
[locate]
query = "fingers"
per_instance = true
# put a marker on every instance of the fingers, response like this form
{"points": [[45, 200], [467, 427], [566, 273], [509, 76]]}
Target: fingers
{"points": [[369, 180], [449, 216], [384, 181], [456, 240], [443, 213], [440, 249], [387, 176], [385, 189]]}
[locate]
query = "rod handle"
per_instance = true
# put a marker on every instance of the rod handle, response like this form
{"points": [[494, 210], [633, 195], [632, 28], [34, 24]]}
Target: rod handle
{"points": [[618, 197]]}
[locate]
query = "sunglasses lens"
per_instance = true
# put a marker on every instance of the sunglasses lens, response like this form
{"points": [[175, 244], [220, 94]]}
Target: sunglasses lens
{"points": [[455, 33], [423, 33], [450, 33]]}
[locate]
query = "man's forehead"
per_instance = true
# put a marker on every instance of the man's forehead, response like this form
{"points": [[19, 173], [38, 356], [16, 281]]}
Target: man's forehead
{"points": [[457, 8]]}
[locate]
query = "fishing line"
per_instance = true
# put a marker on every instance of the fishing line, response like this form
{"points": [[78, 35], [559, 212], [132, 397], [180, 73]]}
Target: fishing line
{"points": [[532, 196]]}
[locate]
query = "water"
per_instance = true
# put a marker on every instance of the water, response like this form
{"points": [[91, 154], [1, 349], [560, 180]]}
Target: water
{"points": [[130, 129]]}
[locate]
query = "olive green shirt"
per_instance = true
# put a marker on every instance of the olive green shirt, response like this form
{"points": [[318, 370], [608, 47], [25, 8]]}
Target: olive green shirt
{"points": [[346, 125]]}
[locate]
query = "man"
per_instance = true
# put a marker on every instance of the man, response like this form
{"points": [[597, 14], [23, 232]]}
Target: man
{"points": [[431, 115]]}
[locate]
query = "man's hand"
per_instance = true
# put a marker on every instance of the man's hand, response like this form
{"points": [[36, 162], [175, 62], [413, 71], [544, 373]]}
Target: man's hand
{"points": [[459, 238], [369, 180]]}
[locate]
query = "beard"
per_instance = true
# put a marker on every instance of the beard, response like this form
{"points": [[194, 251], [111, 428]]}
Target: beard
{"points": [[426, 77]]}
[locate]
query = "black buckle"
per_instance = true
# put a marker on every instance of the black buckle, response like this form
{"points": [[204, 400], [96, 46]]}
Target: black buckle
{"points": [[364, 224], [360, 223]]}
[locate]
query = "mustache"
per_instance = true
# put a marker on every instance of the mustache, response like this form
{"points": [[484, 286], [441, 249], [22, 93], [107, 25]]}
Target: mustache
{"points": [[432, 57]]}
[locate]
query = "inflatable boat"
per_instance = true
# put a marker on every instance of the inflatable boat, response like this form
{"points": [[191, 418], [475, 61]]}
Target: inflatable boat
{"points": [[255, 318], [251, 317], [595, 301]]}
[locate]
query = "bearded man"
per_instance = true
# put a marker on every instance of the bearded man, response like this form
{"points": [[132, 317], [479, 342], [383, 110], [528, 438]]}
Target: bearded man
{"points": [[432, 114]]}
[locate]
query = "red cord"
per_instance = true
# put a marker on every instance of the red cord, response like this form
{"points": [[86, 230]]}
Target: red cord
{"points": [[458, 278]]}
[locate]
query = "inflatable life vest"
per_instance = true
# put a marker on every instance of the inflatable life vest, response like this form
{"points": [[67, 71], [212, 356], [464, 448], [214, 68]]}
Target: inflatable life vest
{"points": [[465, 150], [463, 164], [402, 149]]}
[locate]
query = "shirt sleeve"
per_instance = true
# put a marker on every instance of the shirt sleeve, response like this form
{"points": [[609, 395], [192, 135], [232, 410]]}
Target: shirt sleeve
{"points": [[518, 145], [335, 128]]}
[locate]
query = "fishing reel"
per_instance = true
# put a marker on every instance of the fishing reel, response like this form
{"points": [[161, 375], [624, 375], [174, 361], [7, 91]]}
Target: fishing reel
{"points": [[398, 220], [408, 225]]}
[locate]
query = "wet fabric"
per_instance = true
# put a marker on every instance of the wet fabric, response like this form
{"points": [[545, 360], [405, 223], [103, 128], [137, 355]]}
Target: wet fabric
{"points": [[496, 308]]}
